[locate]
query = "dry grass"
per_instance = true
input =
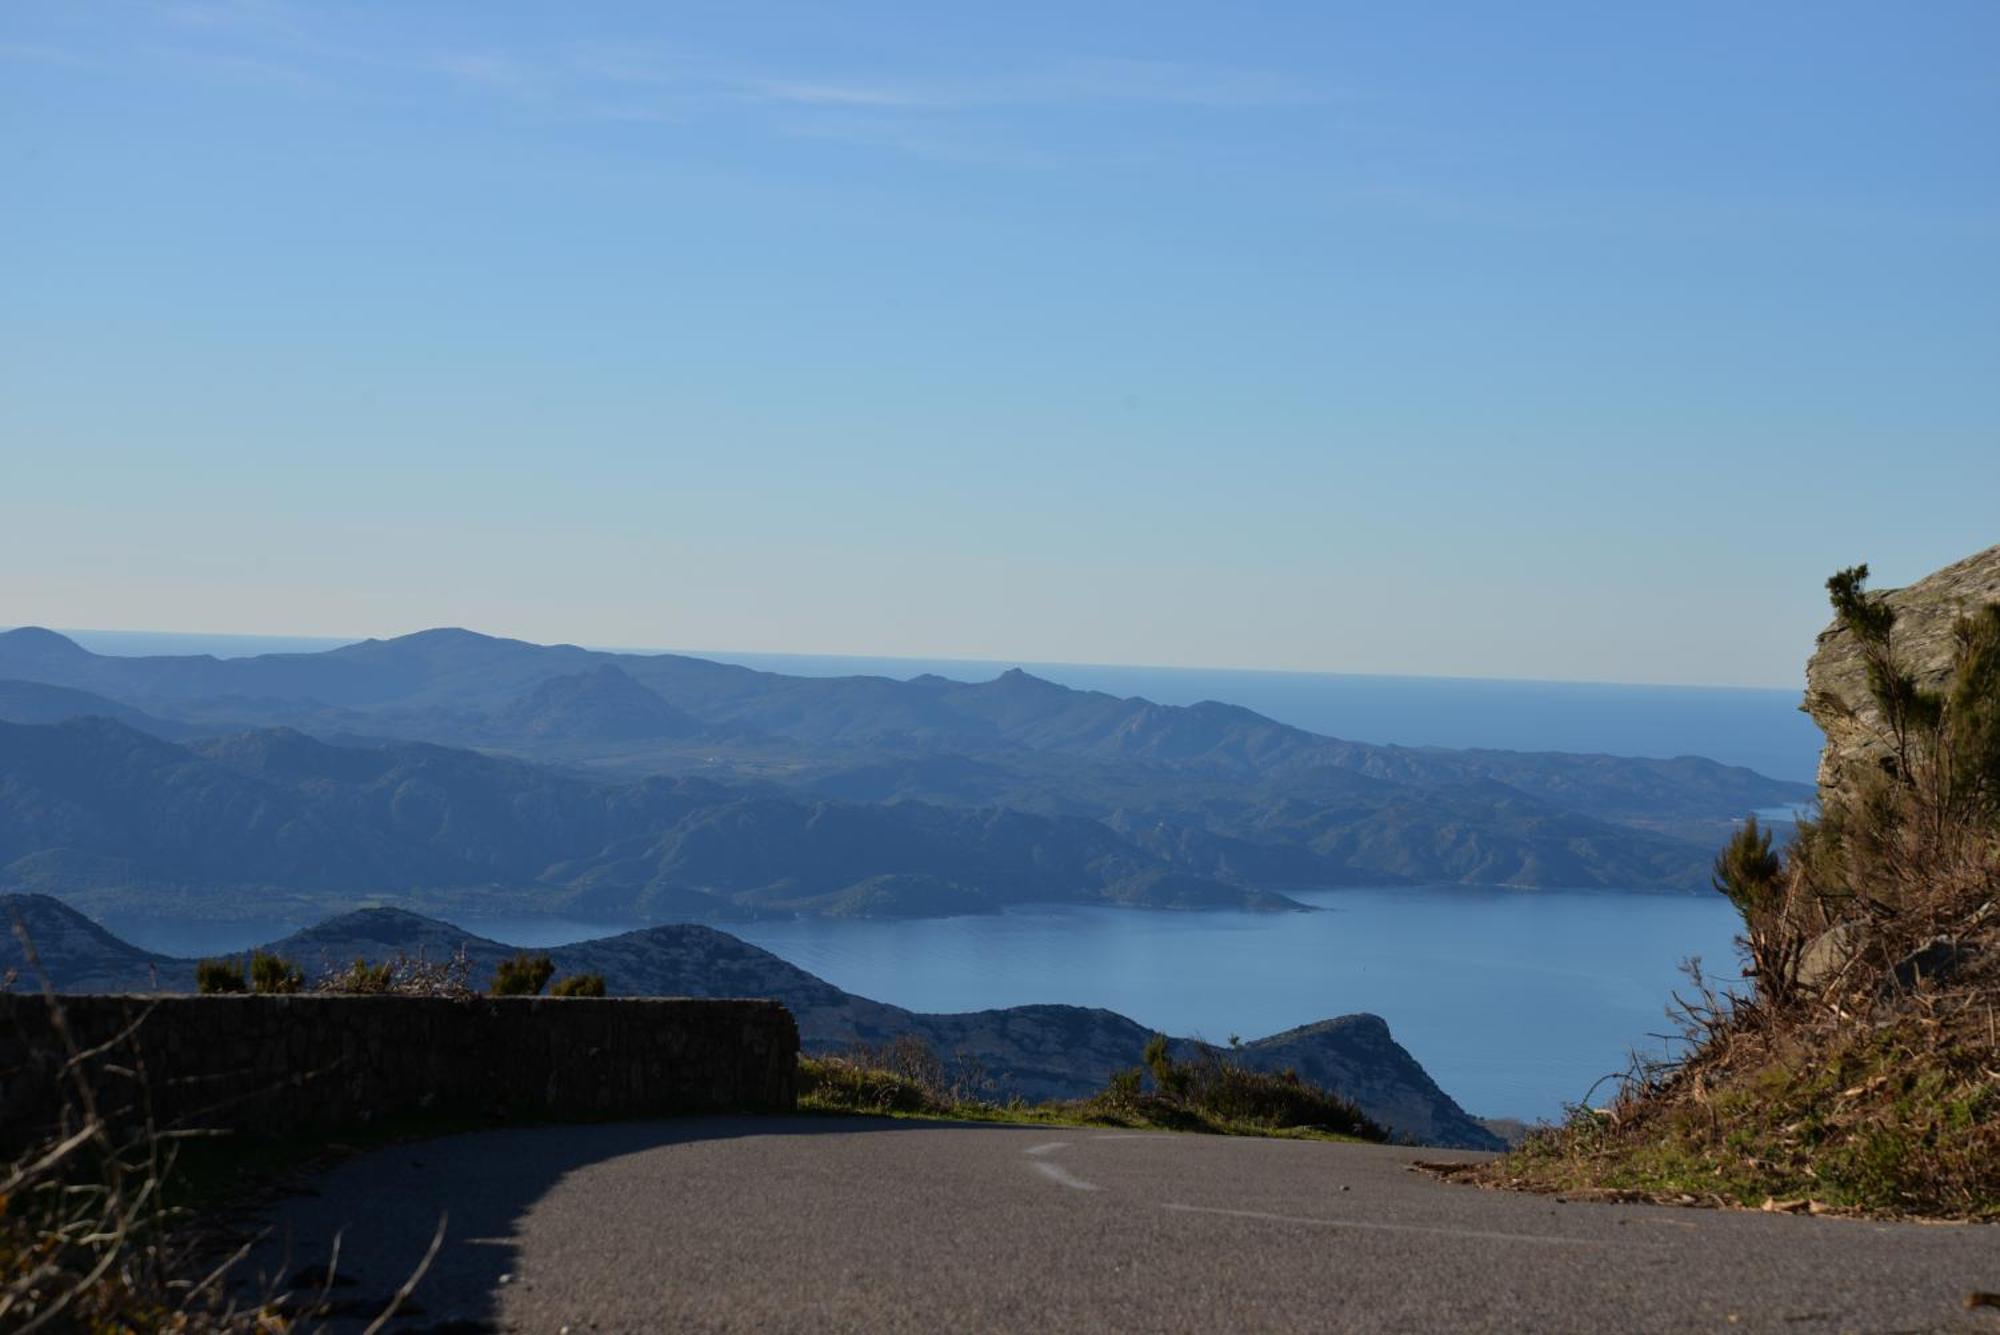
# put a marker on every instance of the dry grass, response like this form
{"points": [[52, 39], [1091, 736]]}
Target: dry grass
{"points": [[402, 976], [96, 1234], [1862, 1073], [1895, 1112], [88, 1239]]}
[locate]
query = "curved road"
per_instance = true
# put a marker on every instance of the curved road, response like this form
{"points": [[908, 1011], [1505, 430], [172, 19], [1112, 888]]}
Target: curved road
{"points": [[816, 1224]]}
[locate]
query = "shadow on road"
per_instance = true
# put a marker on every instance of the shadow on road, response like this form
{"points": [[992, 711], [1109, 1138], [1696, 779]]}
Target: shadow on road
{"points": [[374, 1217]]}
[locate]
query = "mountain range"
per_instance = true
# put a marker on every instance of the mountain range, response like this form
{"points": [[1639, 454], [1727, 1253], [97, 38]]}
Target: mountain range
{"points": [[1037, 1052], [447, 765]]}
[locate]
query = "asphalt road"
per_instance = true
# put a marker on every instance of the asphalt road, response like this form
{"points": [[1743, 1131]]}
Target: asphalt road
{"points": [[782, 1224]]}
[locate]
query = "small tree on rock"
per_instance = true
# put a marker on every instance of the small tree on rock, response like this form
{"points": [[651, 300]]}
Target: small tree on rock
{"points": [[1753, 879]]}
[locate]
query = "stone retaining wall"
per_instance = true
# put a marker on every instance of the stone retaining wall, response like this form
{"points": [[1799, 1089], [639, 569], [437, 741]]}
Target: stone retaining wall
{"points": [[280, 1064]]}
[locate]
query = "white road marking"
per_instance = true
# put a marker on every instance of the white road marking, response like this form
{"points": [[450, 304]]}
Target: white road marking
{"points": [[1394, 1228], [1049, 1148], [1056, 1173]]}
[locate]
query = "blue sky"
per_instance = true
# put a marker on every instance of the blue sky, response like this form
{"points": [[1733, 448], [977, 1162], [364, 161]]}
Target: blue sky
{"points": [[1568, 341]]}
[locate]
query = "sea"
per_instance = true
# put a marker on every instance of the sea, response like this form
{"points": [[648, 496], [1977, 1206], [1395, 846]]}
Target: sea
{"points": [[1519, 1003]]}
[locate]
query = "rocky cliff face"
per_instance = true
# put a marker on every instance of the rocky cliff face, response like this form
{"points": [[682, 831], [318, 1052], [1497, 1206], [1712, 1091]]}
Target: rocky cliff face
{"points": [[1837, 693]]}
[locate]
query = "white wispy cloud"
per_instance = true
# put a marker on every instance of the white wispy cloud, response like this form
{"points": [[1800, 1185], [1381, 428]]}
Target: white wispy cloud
{"points": [[942, 119], [1066, 83], [1069, 83], [956, 115]]}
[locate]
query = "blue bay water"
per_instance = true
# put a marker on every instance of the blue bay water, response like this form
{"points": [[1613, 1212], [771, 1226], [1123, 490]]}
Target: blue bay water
{"points": [[1515, 1002]]}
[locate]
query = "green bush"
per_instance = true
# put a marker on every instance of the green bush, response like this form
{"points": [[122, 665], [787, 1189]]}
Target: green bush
{"points": [[524, 975], [1169, 1077], [579, 985], [1281, 1099], [1752, 877], [271, 973], [1125, 1088], [214, 977]]}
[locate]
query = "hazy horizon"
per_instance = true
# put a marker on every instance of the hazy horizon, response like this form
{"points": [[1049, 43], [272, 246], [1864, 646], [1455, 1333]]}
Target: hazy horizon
{"points": [[1758, 727], [118, 641]]}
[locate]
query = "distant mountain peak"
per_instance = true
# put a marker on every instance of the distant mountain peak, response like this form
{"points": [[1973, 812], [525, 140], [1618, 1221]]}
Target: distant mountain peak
{"points": [[435, 637], [380, 930], [1020, 679], [40, 639], [449, 634], [379, 915]]}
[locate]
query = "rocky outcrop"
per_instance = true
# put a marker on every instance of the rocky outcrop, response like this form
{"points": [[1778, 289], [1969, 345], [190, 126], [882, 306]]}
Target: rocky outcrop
{"points": [[1356, 1055], [1837, 694]]}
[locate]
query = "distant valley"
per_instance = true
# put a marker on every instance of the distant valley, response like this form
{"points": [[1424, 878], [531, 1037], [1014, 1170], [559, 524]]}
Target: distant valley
{"points": [[447, 769]]}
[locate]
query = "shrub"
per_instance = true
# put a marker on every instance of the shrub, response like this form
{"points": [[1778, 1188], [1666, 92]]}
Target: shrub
{"points": [[1124, 1089], [271, 973], [213, 977], [1752, 877], [403, 976], [1210, 1090], [1280, 1100], [524, 975], [361, 977], [1169, 1078], [837, 1084], [579, 985], [906, 1074]]}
